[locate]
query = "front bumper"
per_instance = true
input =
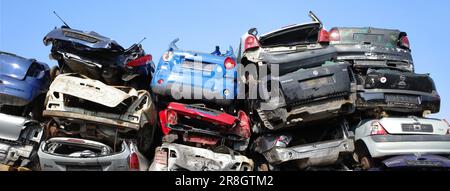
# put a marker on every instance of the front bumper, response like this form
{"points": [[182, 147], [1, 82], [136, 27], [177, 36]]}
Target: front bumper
{"points": [[391, 145]]}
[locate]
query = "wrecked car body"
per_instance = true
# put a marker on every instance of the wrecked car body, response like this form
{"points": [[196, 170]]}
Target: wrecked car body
{"points": [[321, 145], [397, 91], [71, 154], [204, 127], [19, 140], [372, 47], [176, 157], [415, 162], [309, 95], [312, 85], [23, 85], [99, 57], [190, 75], [383, 65], [89, 109]]}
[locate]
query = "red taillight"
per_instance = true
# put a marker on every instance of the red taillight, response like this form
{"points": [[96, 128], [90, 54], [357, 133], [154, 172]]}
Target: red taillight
{"points": [[141, 61], [334, 35], [229, 63], [377, 129], [160, 81], [134, 161], [172, 118], [404, 42], [251, 42], [324, 36]]}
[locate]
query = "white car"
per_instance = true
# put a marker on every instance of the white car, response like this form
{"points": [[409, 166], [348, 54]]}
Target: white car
{"points": [[393, 136]]}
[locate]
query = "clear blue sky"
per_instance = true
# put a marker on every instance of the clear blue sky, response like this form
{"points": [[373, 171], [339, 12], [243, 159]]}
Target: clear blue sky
{"points": [[202, 24]]}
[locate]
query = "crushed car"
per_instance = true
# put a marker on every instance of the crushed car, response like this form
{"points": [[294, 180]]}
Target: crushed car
{"points": [[197, 77], [98, 57], [414, 162], [384, 69], [89, 109], [199, 126], [319, 145], [312, 85], [23, 85], [378, 139], [178, 157], [72, 154]]}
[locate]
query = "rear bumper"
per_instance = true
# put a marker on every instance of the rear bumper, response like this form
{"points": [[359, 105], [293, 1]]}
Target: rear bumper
{"points": [[391, 145], [371, 52], [114, 162], [86, 118], [323, 153], [376, 98], [183, 90]]}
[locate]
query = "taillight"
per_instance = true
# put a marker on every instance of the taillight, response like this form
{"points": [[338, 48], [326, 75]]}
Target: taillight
{"points": [[334, 35], [172, 118], [448, 130], [251, 42], [404, 42], [229, 63], [161, 157], [377, 129], [160, 81], [141, 61], [324, 36], [134, 161]]}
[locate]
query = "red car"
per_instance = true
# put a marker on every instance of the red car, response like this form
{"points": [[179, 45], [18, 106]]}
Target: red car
{"points": [[200, 126]]}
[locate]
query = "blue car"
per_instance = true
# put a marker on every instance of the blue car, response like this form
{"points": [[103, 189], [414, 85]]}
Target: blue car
{"points": [[195, 76], [23, 85]]}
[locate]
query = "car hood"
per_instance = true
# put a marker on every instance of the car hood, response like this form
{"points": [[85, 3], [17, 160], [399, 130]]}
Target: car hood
{"points": [[14, 66], [87, 38], [11, 127]]}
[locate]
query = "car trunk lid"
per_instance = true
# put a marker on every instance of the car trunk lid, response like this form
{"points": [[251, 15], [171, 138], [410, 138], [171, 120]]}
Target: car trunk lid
{"points": [[393, 79], [14, 66], [292, 35], [414, 126]]}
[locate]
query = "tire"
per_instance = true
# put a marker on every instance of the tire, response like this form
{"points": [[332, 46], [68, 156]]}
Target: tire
{"points": [[365, 160]]}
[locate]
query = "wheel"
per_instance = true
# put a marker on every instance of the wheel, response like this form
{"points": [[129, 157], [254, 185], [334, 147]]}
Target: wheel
{"points": [[147, 139], [365, 160]]}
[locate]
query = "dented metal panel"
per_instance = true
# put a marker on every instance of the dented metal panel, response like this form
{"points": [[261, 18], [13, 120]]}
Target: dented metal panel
{"points": [[92, 90], [174, 157]]}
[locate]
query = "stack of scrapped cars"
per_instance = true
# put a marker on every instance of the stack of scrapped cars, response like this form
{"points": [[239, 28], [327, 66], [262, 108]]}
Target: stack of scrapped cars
{"points": [[308, 86], [102, 115], [326, 96], [23, 85], [392, 101], [194, 90]]}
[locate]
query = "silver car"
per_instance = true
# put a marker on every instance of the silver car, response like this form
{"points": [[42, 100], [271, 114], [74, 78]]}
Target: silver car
{"points": [[393, 136], [72, 154]]}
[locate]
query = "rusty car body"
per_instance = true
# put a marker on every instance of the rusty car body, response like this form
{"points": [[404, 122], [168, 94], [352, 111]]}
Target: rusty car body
{"points": [[89, 109]]}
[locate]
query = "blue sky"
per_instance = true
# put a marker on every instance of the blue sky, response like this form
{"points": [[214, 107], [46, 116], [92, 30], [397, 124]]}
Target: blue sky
{"points": [[202, 24]]}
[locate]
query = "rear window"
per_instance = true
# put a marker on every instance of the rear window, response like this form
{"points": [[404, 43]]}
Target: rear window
{"points": [[305, 34]]}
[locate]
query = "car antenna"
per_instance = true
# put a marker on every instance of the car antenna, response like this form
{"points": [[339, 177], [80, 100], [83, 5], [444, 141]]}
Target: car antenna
{"points": [[142, 40], [54, 12]]}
